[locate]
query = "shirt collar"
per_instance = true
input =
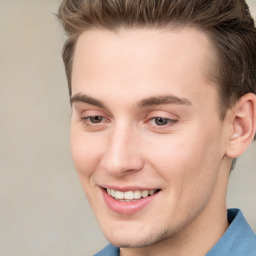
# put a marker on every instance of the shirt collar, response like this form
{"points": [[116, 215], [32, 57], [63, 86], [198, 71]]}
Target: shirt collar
{"points": [[237, 237]]}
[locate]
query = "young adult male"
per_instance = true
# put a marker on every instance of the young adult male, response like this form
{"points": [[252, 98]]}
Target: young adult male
{"points": [[163, 100]]}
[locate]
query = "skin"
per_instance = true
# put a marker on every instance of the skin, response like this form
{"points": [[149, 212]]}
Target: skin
{"points": [[121, 82]]}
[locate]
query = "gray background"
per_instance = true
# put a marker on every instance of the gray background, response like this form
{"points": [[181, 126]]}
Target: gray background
{"points": [[43, 210]]}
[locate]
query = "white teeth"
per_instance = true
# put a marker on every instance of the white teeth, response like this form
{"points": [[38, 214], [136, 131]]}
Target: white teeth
{"points": [[112, 192], [144, 193], [119, 195], [137, 194], [130, 195]]}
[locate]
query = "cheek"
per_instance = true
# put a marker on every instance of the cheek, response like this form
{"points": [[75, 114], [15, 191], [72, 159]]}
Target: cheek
{"points": [[185, 162], [190, 175], [85, 152]]}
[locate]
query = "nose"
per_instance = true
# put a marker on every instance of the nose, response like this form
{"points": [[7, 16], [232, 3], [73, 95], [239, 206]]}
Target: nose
{"points": [[122, 154]]}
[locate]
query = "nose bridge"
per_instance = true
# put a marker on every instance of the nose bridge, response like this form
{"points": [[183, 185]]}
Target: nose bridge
{"points": [[122, 153]]}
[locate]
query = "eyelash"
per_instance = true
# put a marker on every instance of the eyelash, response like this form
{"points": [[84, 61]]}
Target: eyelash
{"points": [[88, 120], [167, 121]]}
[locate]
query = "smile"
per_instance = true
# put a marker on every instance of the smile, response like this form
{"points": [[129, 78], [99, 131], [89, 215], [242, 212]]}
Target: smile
{"points": [[130, 195], [129, 201]]}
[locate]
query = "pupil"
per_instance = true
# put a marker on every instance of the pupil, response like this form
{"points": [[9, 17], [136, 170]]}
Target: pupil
{"points": [[96, 119]]}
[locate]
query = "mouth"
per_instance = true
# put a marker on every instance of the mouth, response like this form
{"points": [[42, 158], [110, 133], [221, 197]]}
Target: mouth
{"points": [[130, 200], [129, 196]]}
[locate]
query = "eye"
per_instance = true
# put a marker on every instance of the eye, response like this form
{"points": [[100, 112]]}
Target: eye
{"points": [[161, 121], [94, 122], [95, 119]]}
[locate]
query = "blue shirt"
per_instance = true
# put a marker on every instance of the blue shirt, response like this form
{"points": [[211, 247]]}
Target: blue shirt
{"points": [[238, 240]]}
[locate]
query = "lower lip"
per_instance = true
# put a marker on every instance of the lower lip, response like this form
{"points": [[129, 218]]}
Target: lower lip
{"points": [[127, 208]]}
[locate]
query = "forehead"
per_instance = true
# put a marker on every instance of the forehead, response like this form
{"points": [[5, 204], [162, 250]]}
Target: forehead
{"points": [[148, 60]]}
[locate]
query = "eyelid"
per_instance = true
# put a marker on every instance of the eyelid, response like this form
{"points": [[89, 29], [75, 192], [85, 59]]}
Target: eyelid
{"points": [[150, 121], [162, 114], [81, 107], [92, 112], [85, 116], [170, 122]]}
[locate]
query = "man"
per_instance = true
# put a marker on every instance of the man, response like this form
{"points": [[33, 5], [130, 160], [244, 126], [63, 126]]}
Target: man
{"points": [[163, 101]]}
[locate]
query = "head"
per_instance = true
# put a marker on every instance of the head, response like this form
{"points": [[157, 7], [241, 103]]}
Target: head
{"points": [[163, 97]]}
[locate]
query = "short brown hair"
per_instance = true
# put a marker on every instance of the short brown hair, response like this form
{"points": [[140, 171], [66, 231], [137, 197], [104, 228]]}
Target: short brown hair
{"points": [[228, 24]]}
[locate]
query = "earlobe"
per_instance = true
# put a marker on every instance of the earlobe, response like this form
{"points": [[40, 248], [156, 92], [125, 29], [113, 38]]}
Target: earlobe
{"points": [[243, 123]]}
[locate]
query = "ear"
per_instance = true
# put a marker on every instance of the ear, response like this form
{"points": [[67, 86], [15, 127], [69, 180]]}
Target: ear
{"points": [[242, 121]]}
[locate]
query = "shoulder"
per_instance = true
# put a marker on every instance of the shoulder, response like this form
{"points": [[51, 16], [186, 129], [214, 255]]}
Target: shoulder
{"points": [[109, 250]]}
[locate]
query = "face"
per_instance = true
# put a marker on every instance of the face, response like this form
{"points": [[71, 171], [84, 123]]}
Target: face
{"points": [[146, 137]]}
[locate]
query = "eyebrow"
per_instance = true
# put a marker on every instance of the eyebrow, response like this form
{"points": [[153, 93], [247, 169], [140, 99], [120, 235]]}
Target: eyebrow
{"points": [[86, 99], [162, 100], [151, 101]]}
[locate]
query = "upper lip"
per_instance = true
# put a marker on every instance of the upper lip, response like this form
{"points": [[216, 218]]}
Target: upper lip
{"points": [[128, 188]]}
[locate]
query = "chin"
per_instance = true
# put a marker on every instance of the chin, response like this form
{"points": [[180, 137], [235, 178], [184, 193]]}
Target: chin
{"points": [[131, 243], [137, 239]]}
